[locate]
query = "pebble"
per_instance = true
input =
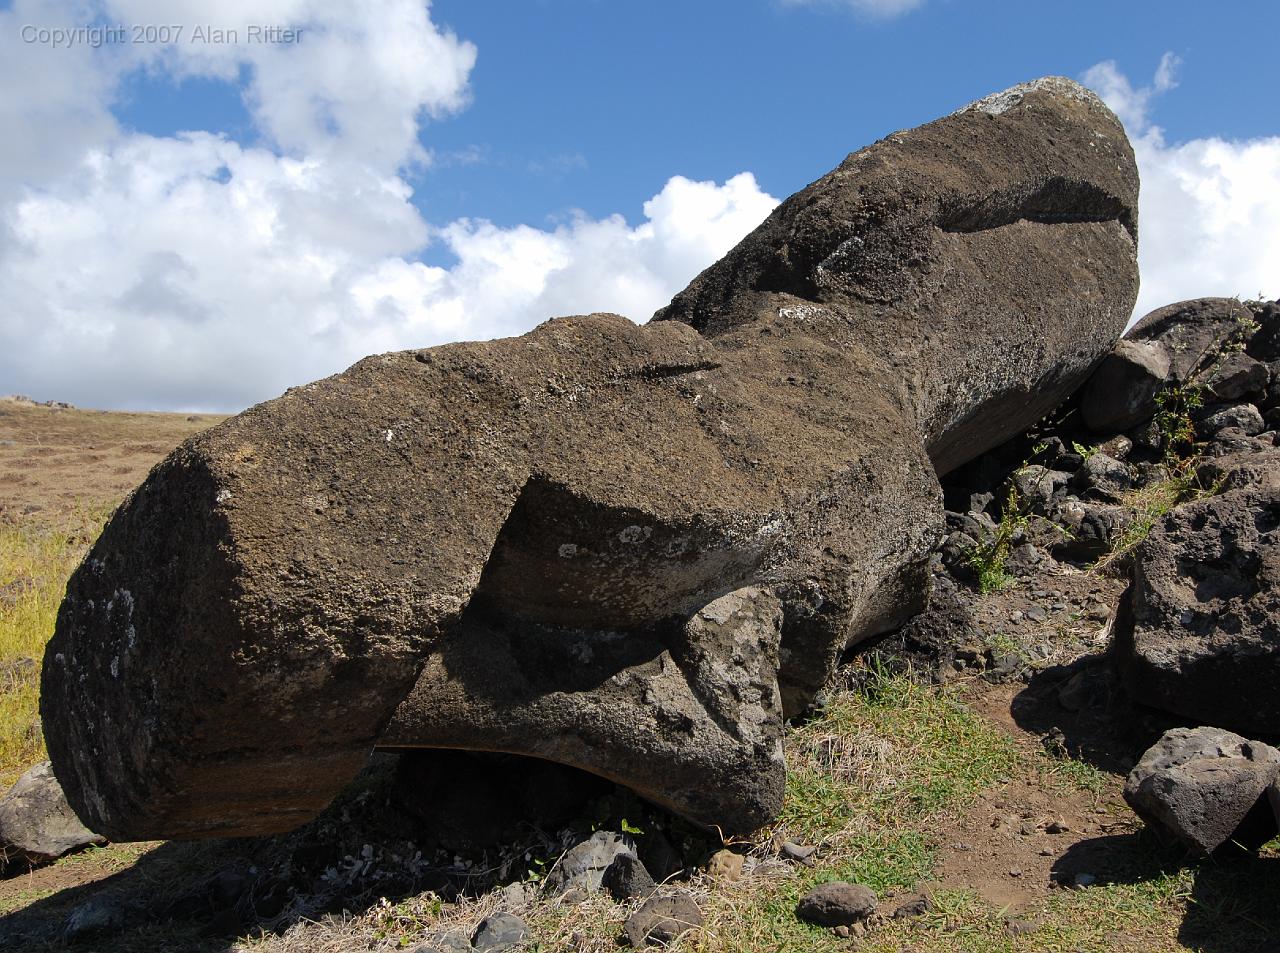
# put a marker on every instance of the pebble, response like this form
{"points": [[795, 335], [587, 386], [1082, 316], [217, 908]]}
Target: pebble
{"points": [[1019, 927], [802, 853]]}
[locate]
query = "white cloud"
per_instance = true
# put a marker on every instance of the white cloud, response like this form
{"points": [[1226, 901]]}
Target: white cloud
{"points": [[1209, 210], [874, 9], [194, 272]]}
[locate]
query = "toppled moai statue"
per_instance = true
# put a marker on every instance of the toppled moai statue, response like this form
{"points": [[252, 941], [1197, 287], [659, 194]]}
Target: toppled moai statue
{"points": [[631, 549]]}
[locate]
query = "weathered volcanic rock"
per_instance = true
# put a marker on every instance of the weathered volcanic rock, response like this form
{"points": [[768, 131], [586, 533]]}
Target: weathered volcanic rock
{"points": [[1122, 391], [662, 918], [1198, 633], [1194, 332], [1235, 375], [633, 550], [838, 903], [37, 824], [1205, 786]]}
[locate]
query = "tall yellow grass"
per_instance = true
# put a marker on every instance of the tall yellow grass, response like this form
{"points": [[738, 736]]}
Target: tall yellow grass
{"points": [[35, 562]]}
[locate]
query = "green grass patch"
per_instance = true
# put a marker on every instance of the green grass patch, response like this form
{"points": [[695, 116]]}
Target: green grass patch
{"points": [[891, 755]]}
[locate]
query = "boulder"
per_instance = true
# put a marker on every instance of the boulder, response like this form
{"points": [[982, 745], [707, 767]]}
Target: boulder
{"points": [[1243, 417], [1205, 787], [1236, 375], [37, 824], [634, 550], [1195, 333], [1198, 632], [1121, 393], [1102, 477]]}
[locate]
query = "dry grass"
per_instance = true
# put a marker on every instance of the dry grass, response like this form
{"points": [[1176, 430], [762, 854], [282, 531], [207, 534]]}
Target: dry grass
{"points": [[61, 473], [35, 562]]}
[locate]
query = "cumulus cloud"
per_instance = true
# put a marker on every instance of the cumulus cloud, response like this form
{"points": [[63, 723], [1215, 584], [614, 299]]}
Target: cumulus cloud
{"points": [[197, 272], [1209, 210]]}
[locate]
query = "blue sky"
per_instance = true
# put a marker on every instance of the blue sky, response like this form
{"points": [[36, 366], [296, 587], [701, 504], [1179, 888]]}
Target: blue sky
{"points": [[196, 225]]}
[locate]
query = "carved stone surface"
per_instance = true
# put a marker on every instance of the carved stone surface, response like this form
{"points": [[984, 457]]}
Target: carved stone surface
{"points": [[631, 549]]}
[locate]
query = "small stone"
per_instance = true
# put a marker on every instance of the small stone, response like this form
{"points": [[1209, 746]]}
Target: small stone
{"points": [[1036, 614], [1017, 927], [836, 903], [1015, 871], [513, 896], [583, 865], [574, 896], [93, 918], [1056, 826], [725, 865], [628, 879], [841, 931], [800, 853], [913, 908], [662, 918], [499, 932]]}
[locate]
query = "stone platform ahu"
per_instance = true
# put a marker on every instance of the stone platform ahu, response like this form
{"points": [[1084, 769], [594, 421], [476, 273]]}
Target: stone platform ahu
{"points": [[631, 549]]}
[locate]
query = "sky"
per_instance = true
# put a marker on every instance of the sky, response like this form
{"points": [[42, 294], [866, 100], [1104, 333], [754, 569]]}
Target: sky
{"points": [[201, 209]]}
